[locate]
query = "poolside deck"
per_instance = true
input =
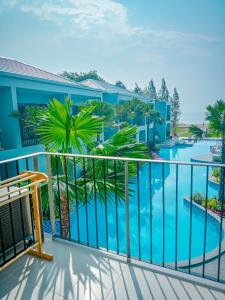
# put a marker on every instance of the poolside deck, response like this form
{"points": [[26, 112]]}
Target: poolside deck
{"points": [[79, 272], [203, 159]]}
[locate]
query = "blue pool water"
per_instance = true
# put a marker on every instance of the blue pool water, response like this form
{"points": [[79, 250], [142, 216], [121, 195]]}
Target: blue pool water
{"points": [[144, 237]]}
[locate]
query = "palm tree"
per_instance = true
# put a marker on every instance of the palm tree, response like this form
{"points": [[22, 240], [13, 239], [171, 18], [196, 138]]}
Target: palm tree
{"points": [[216, 117], [148, 112], [130, 111], [198, 133], [121, 144], [103, 110], [136, 110], [59, 130], [155, 118], [120, 115]]}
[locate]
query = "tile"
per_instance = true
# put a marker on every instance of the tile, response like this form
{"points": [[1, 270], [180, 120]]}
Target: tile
{"points": [[100, 279], [82, 273], [23, 290], [141, 283]]}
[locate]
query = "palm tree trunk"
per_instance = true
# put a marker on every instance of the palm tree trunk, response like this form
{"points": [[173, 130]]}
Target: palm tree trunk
{"points": [[222, 177], [154, 132], [147, 139], [65, 208], [64, 216]]}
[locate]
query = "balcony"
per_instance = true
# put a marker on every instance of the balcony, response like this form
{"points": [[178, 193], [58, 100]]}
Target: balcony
{"points": [[138, 240], [78, 272]]}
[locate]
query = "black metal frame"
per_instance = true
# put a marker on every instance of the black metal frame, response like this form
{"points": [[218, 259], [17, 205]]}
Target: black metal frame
{"points": [[14, 208]]}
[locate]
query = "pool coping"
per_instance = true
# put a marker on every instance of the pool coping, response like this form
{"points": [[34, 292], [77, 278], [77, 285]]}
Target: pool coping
{"points": [[213, 254], [206, 158], [212, 181]]}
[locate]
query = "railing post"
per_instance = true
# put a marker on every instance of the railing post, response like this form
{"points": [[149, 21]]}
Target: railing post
{"points": [[36, 169], [35, 163], [50, 194], [127, 208]]}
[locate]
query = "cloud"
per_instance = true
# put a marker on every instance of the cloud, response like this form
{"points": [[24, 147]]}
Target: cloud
{"points": [[84, 14], [105, 20]]}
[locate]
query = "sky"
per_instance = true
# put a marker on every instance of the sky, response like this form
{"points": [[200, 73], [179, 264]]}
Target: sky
{"points": [[128, 40]]}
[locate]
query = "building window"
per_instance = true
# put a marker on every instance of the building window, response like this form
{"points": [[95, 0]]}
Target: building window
{"points": [[28, 135], [75, 109]]}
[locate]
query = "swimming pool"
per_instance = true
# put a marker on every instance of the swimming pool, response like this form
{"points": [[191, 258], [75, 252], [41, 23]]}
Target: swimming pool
{"points": [[143, 244]]}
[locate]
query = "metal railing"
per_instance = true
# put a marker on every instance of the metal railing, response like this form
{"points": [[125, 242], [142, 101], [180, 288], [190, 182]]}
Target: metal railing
{"points": [[141, 208], [30, 142]]}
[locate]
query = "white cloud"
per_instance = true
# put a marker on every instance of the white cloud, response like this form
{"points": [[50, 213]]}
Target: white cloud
{"points": [[105, 20], [84, 14]]}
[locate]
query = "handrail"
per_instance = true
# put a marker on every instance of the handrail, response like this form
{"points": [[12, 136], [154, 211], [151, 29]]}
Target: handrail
{"points": [[36, 154]]}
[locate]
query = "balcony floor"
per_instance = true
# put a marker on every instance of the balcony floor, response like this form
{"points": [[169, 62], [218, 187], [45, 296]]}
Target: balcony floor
{"points": [[81, 273]]}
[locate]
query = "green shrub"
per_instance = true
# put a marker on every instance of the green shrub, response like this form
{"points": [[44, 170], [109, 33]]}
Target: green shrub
{"points": [[216, 172], [213, 204], [198, 197], [217, 159]]}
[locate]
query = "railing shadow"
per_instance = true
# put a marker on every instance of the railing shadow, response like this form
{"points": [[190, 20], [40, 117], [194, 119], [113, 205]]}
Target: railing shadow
{"points": [[75, 273]]}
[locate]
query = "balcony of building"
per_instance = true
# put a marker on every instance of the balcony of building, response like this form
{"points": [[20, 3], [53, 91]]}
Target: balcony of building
{"points": [[116, 236]]}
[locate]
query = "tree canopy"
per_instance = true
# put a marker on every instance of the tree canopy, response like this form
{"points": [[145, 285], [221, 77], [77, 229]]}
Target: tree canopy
{"points": [[163, 92], [75, 76], [152, 90], [175, 110], [120, 84], [137, 89]]}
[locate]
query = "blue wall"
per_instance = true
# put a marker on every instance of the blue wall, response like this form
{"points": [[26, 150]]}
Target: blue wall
{"points": [[111, 98], [163, 108], [16, 90]]}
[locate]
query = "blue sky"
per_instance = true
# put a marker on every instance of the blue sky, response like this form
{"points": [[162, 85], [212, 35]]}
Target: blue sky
{"points": [[132, 41]]}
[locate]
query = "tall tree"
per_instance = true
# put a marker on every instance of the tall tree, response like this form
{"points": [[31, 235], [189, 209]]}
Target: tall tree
{"points": [[163, 92], [137, 89], [120, 84], [175, 111], [148, 112], [152, 90], [74, 76]]}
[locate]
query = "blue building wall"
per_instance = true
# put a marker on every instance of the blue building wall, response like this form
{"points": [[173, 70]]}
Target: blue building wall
{"points": [[111, 98], [21, 90], [163, 108], [10, 135]]}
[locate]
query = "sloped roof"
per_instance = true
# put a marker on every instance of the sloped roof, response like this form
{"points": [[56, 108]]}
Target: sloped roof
{"points": [[15, 67], [108, 87]]}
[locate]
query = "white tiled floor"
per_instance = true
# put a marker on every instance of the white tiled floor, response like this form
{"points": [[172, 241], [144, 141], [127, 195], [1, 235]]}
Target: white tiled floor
{"points": [[82, 273]]}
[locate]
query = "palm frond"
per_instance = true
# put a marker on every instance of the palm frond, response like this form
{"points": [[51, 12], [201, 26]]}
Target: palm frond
{"points": [[196, 132]]}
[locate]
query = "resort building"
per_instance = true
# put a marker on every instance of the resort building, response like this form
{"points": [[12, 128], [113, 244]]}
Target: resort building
{"points": [[22, 85], [141, 223]]}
